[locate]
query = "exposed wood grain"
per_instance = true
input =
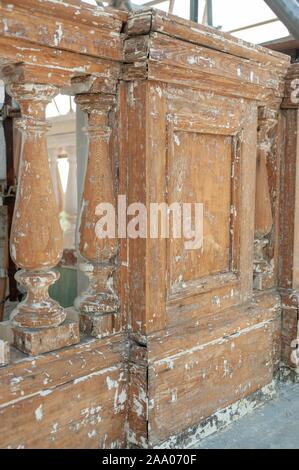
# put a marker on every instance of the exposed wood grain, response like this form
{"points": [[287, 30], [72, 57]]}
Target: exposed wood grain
{"points": [[4, 353], [53, 65], [41, 29], [212, 376], [289, 219], [155, 20], [31, 376], [214, 325], [74, 10], [135, 138], [138, 398], [160, 48], [94, 417]]}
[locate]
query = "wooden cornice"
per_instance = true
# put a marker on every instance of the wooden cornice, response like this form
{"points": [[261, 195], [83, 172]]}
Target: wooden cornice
{"points": [[152, 20], [63, 39], [70, 26], [166, 48]]}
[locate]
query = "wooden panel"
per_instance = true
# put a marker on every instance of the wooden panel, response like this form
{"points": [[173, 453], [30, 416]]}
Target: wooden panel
{"points": [[189, 386], [192, 158], [200, 172], [29, 377], [247, 204], [74, 10], [204, 158], [156, 189], [90, 377], [93, 418]]}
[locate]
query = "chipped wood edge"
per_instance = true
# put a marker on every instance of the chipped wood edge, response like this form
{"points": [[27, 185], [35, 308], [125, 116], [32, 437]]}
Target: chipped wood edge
{"points": [[220, 420]]}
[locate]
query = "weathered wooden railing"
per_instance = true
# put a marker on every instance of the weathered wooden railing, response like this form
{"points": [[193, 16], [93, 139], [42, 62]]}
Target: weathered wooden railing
{"points": [[180, 113]]}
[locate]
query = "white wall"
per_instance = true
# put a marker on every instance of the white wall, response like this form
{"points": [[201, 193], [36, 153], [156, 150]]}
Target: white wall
{"points": [[2, 141]]}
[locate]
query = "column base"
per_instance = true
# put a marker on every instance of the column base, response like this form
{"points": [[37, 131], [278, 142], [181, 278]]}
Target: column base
{"points": [[35, 342], [99, 325]]}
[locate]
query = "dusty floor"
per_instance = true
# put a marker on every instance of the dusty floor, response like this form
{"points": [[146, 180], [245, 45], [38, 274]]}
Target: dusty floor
{"points": [[273, 426]]}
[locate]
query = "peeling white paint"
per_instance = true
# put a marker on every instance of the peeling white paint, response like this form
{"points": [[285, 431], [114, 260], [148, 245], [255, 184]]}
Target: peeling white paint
{"points": [[39, 414]]}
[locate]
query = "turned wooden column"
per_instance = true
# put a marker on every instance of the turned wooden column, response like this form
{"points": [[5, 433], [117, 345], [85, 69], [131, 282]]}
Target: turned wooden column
{"points": [[36, 236], [99, 304], [289, 228], [267, 182]]}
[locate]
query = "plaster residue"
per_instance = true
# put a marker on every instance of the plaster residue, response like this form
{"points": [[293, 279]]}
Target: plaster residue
{"points": [[39, 414], [58, 34], [120, 396]]}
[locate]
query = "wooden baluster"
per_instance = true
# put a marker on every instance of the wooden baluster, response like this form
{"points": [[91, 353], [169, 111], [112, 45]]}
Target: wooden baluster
{"points": [[98, 305], [36, 237]]}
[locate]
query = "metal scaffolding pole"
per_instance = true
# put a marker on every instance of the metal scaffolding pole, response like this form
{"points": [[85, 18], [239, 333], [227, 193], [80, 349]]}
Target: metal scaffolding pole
{"points": [[288, 12], [210, 12]]}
